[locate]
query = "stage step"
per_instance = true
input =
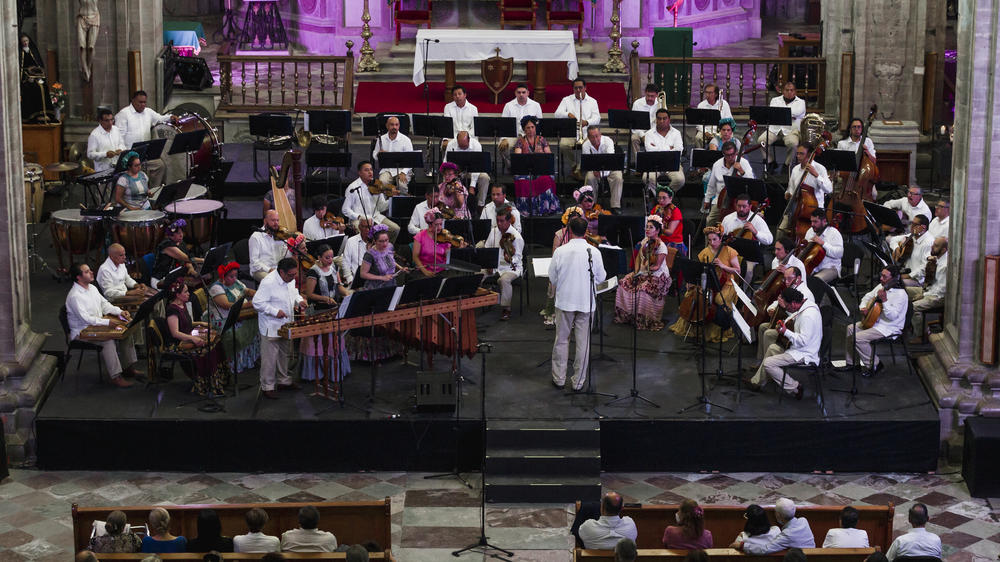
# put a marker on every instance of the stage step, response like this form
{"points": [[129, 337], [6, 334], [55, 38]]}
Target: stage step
{"points": [[542, 461]]}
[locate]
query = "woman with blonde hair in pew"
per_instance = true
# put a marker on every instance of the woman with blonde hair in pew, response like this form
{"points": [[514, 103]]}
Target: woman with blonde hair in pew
{"points": [[159, 539], [690, 532]]}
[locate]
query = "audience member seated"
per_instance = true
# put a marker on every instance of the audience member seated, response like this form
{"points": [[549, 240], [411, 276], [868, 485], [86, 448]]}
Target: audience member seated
{"points": [[116, 539], [794, 555], [255, 540], [308, 538], [757, 530], [210, 534], [152, 558], [918, 541], [605, 532], [626, 551], [877, 556], [85, 556], [159, 539], [847, 536], [795, 532], [690, 532], [213, 556], [356, 553]]}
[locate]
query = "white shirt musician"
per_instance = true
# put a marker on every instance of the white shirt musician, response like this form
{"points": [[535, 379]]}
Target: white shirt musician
{"points": [[931, 295], [939, 225], [354, 251], [113, 277], [510, 267], [789, 134], [599, 144], [804, 342], [712, 101], [479, 180], [86, 307], [105, 142], [498, 200], [853, 139], [795, 279], [461, 111], [815, 174], [911, 205], [394, 141], [276, 301], [922, 243], [573, 266], [649, 104], [265, 249], [136, 121], [784, 256], [360, 202], [829, 237], [581, 107], [313, 228], [517, 108], [890, 323], [417, 222], [664, 138], [741, 218], [725, 166]]}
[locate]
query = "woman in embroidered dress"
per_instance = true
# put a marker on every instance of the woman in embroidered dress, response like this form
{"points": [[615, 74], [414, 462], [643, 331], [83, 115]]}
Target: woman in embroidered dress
{"points": [[643, 292]]}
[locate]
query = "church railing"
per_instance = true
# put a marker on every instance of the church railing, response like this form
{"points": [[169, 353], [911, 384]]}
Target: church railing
{"points": [[251, 83], [744, 82]]}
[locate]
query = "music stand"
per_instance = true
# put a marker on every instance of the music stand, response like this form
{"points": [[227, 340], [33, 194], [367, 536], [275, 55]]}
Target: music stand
{"points": [[334, 242], [437, 126], [735, 186], [402, 206], [693, 269], [187, 143], [840, 160], [420, 290], [470, 229], [460, 286], [622, 230], [372, 126], [470, 162], [883, 216], [485, 258], [629, 120], [215, 257], [326, 156], [749, 250], [172, 192], [704, 158], [496, 127], [766, 115], [533, 165], [400, 160], [695, 116], [658, 161], [269, 126], [558, 128], [148, 150], [333, 122]]}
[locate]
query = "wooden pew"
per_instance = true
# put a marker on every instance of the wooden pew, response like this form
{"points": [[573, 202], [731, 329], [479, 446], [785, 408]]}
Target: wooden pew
{"points": [[726, 521], [244, 557], [728, 555], [351, 522]]}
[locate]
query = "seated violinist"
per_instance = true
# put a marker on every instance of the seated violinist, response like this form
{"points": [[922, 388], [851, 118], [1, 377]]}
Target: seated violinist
{"points": [[832, 242], [430, 246], [417, 223], [672, 233], [591, 210], [727, 264], [911, 250], [803, 343], [643, 292], [891, 298], [320, 226], [364, 198], [508, 239], [766, 334], [266, 246], [784, 256], [169, 254], [186, 335], [451, 193]]}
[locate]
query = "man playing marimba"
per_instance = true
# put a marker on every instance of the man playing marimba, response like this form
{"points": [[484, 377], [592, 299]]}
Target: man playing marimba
{"points": [[114, 279], [86, 307]]}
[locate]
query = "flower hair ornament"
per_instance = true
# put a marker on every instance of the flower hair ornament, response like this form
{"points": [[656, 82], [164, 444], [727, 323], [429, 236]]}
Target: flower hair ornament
{"points": [[373, 233], [294, 241], [432, 215], [584, 192], [660, 188], [717, 229], [657, 219], [448, 166], [226, 268], [176, 225], [570, 213]]}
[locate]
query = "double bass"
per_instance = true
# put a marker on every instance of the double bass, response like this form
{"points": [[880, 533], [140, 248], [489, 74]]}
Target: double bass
{"points": [[803, 201], [725, 204], [856, 188]]}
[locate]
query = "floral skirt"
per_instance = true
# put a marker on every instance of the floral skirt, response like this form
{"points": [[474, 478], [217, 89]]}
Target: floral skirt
{"points": [[651, 295], [536, 197], [313, 359], [247, 344]]}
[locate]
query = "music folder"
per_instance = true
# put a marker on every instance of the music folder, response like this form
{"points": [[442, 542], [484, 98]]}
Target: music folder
{"points": [[767, 115], [707, 117], [334, 242]]}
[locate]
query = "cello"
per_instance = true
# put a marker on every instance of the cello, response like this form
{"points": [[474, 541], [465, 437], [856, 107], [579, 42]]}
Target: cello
{"points": [[725, 204], [700, 306], [856, 188], [803, 200]]}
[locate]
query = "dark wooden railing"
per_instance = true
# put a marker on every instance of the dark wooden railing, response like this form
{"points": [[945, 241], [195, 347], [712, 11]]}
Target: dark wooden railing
{"points": [[280, 83], [744, 82]]}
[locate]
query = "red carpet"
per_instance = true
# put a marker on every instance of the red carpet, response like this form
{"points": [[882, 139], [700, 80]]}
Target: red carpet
{"points": [[404, 97]]}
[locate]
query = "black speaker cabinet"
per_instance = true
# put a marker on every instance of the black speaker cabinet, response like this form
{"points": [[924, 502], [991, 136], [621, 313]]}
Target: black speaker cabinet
{"points": [[194, 73], [435, 391], [981, 456]]}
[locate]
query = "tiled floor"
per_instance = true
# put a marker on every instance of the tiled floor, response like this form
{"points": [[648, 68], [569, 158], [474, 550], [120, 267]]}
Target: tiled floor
{"points": [[433, 517]]}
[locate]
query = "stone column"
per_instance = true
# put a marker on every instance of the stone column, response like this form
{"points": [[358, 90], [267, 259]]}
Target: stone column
{"points": [[22, 382]]}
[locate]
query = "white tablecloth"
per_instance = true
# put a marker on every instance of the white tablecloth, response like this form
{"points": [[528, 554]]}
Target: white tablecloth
{"points": [[479, 44]]}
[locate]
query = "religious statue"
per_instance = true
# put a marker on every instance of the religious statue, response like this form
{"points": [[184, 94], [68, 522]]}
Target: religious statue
{"points": [[34, 90], [88, 22]]}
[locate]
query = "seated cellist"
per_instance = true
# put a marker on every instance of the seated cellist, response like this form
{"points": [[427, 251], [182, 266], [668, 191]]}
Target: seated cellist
{"points": [[727, 265]]}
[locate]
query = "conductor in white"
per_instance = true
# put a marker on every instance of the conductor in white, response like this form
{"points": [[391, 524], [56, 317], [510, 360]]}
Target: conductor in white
{"points": [[575, 271]]}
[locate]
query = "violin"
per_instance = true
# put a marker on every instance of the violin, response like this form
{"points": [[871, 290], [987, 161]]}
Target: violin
{"points": [[445, 237], [283, 235], [446, 211], [331, 220], [508, 249], [378, 188]]}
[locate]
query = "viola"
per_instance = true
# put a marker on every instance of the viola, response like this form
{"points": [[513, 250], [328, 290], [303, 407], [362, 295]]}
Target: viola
{"points": [[331, 220], [507, 246], [445, 237], [378, 188]]}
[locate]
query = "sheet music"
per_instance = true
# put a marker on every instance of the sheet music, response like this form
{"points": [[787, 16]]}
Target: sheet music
{"points": [[840, 303], [744, 299], [609, 246], [541, 266], [744, 327], [395, 298], [344, 305], [607, 285]]}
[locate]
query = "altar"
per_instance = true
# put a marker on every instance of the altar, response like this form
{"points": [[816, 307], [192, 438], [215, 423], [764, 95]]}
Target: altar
{"points": [[450, 45]]}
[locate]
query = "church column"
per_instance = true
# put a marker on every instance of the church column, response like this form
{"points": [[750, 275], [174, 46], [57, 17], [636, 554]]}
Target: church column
{"points": [[22, 382]]}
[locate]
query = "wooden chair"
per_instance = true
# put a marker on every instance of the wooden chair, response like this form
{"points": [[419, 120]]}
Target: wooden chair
{"points": [[517, 12], [410, 17], [566, 16]]}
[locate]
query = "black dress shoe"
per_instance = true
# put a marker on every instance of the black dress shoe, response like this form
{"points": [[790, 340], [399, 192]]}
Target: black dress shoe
{"points": [[557, 385], [616, 211], [798, 393]]}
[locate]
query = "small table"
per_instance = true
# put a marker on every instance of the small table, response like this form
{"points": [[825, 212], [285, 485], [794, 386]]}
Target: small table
{"points": [[480, 44], [186, 35]]}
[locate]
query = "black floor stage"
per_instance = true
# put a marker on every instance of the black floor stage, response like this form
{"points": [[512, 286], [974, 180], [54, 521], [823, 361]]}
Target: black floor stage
{"points": [[85, 424]]}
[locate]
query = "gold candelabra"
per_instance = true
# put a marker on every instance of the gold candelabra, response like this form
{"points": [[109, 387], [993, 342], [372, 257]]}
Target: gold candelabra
{"points": [[615, 63], [367, 62]]}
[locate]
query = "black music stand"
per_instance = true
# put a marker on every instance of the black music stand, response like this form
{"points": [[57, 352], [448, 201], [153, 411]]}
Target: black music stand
{"points": [[485, 258], [533, 165], [214, 258], [735, 186], [840, 160], [374, 125], [704, 158], [433, 126], [765, 116], [693, 269], [470, 162], [401, 206], [269, 126], [187, 143], [334, 242], [335, 122], [400, 160], [630, 120], [601, 163], [472, 230], [557, 128], [659, 161], [622, 230], [496, 127], [703, 117], [367, 303], [326, 157], [420, 290], [147, 150], [172, 192]]}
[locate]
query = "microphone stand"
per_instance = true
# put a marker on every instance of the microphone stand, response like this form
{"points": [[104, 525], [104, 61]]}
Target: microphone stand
{"points": [[590, 328]]}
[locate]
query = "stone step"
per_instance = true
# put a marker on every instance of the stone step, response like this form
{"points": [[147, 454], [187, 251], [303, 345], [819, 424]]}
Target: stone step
{"points": [[538, 489]]}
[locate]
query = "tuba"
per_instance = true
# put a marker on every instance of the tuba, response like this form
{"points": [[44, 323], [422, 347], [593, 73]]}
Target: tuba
{"points": [[303, 137], [811, 129]]}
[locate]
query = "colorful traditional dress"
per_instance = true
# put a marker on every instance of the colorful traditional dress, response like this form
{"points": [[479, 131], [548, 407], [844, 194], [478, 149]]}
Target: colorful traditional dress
{"points": [[538, 196], [727, 296], [650, 288], [247, 347], [206, 373]]}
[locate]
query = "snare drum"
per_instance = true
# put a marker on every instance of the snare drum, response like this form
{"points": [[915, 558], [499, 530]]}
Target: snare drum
{"points": [[201, 216], [34, 191], [139, 232], [75, 234]]}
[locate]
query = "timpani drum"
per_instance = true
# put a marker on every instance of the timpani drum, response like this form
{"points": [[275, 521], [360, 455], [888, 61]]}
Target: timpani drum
{"points": [[207, 155], [139, 232], [201, 216], [34, 191], [75, 234]]}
